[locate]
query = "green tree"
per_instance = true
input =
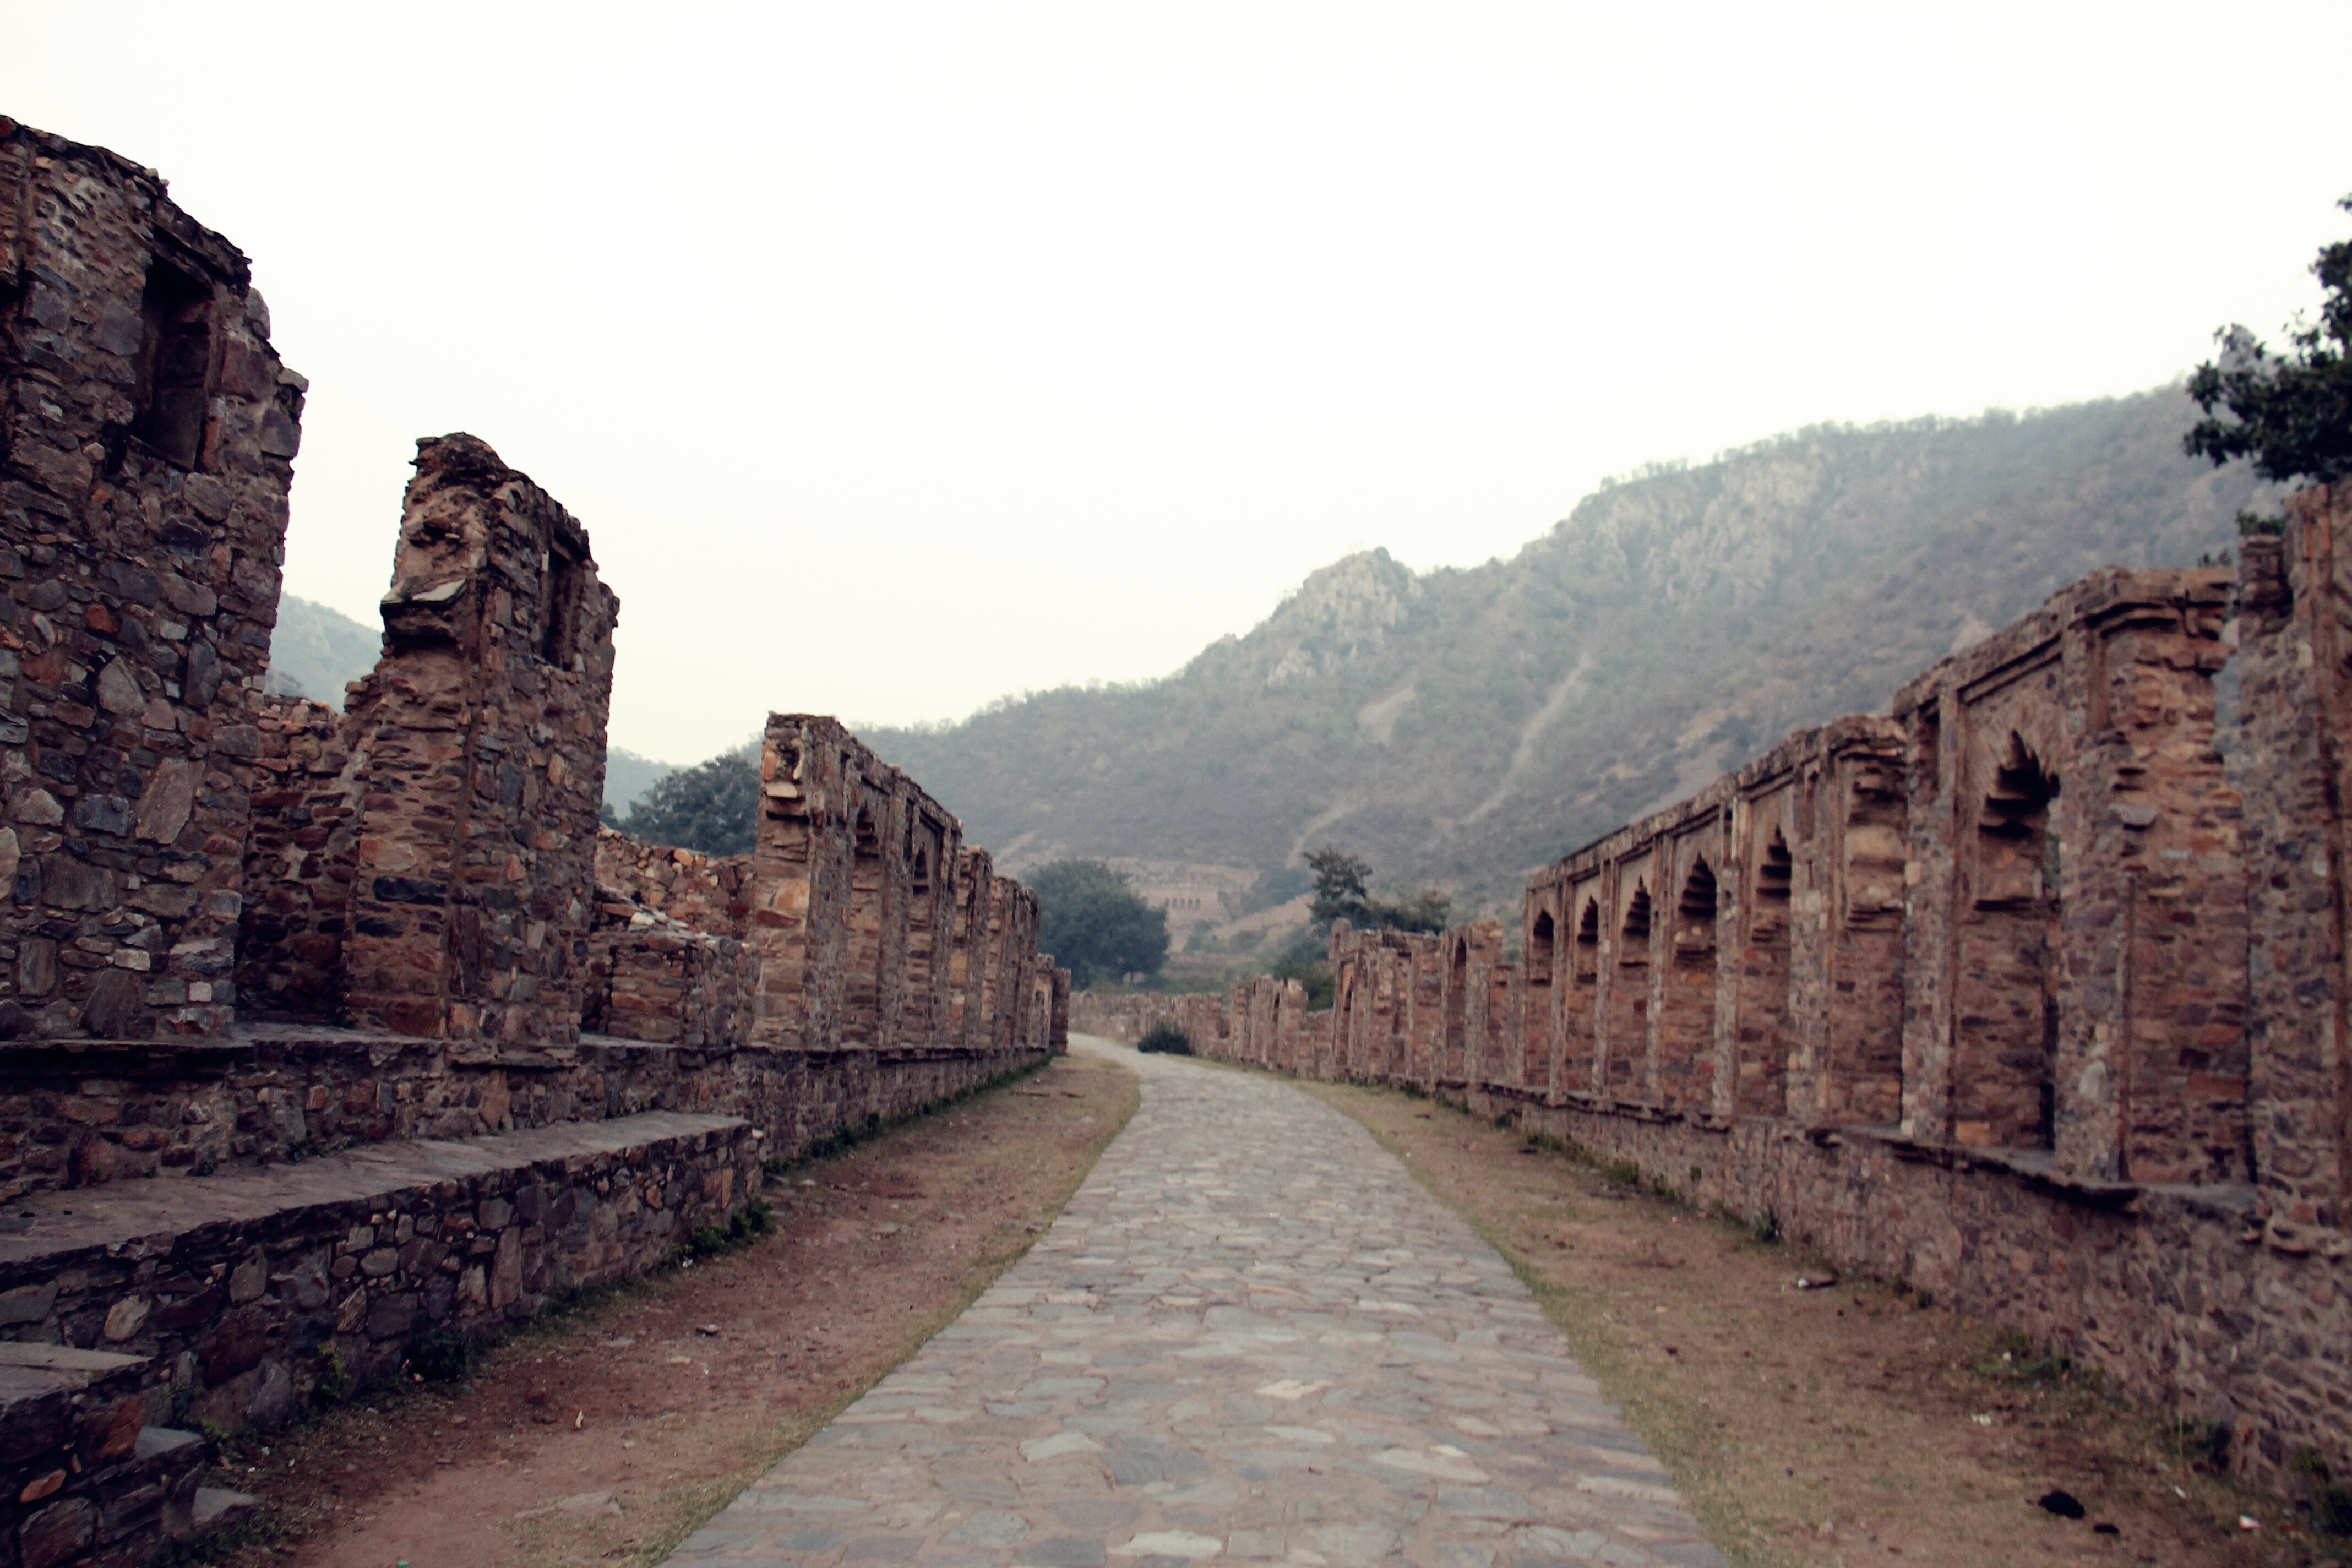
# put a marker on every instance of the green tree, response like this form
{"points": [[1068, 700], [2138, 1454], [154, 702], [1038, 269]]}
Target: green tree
{"points": [[1341, 892], [2291, 413], [713, 806], [1096, 924]]}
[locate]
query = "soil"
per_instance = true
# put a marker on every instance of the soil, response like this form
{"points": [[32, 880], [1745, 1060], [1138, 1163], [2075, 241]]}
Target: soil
{"points": [[1830, 1425], [604, 1435]]}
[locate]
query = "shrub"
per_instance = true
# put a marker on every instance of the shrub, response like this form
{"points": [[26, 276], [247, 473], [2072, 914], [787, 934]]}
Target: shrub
{"points": [[1165, 1038]]}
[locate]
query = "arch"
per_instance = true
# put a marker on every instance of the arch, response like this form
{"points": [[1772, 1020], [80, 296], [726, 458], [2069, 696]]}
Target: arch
{"points": [[1762, 1037], [1686, 1027], [2004, 1055], [861, 996], [1625, 1012], [1579, 1035], [1535, 1003], [1456, 1064]]}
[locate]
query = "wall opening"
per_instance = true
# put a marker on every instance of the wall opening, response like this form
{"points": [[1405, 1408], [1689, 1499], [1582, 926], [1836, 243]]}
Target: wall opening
{"points": [[1760, 1069], [1457, 1012], [916, 987], [1535, 1014], [562, 581], [2004, 1059], [1579, 1041], [176, 365], [1686, 1011], [1625, 1038], [861, 999]]}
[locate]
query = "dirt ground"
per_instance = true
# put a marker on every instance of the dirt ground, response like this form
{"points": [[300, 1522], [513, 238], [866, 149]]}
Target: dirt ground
{"points": [[1831, 1426], [605, 1434]]}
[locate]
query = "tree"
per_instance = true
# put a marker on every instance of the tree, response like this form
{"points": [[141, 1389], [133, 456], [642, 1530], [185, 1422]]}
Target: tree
{"points": [[1341, 894], [713, 806], [1096, 924], [2292, 412]]}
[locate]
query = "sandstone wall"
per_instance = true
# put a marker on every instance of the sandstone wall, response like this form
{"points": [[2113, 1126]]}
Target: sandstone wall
{"points": [[145, 440], [2031, 993]]}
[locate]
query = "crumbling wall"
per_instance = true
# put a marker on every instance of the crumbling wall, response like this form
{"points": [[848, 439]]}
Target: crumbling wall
{"points": [[484, 727], [711, 893], [145, 440]]}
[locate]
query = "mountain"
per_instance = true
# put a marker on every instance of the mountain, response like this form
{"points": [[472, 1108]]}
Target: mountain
{"points": [[1460, 727], [316, 652]]}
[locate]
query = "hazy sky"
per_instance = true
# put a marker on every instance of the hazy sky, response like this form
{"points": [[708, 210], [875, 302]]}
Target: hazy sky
{"points": [[900, 356]]}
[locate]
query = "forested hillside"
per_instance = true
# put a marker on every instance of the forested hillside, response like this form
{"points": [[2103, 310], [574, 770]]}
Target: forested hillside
{"points": [[1461, 726], [317, 651]]}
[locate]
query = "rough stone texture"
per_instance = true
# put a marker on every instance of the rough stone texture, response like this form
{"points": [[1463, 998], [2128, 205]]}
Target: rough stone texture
{"points": [[243, 1290], [298, 863], [1250, 1336], [484, 727], [2031, 994], [144, 443], [249, 1208], [83, 1479], [2296, 762]]}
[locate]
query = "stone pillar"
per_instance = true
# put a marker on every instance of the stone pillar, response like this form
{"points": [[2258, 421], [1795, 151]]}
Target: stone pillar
{"points": [[2295, 703]]}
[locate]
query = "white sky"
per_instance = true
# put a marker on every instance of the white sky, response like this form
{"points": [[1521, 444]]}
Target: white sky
{"points": [[900, 357]]}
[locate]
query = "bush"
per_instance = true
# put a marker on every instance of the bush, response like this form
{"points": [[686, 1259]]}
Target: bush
{"points": [[1165, 1038]]}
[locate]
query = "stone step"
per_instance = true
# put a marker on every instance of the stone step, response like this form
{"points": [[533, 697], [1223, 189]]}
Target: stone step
{"points": [[83, 1476], [247, 1290]]}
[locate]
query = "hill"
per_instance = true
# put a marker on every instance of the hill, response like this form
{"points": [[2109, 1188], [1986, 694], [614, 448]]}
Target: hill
{"points": [[1463, 726]]}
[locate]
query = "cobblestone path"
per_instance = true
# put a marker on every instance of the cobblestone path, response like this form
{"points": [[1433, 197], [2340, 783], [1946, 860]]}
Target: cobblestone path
{"points": [[1251, 1337]]}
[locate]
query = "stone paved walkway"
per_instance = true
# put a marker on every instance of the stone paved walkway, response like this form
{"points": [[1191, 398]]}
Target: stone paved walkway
{"points": [[1251, 1337]]}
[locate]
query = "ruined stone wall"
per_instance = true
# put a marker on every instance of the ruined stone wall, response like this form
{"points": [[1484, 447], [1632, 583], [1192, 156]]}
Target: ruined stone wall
{"points": [[872, 923], [2031, 993], [2295, 761], [145, 440], [709, 892], [484, 726]]}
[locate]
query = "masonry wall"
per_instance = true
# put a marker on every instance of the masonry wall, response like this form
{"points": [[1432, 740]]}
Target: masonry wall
{"points": [[2031, 993], [146, 439]]}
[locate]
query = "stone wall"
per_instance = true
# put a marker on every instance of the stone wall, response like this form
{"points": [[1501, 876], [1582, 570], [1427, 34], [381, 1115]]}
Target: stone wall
{"points": [[321, 1032], [484, 727], [145, 440], [2031, 993]]}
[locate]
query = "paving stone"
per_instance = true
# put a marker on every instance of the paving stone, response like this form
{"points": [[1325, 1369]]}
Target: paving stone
{"points": [[1250, 1337]]}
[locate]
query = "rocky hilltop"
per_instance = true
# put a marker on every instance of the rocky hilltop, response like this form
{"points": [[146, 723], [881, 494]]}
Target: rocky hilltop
{"points": [[1464, 726]]}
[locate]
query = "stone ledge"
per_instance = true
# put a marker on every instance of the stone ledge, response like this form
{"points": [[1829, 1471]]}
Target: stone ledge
{"points": [[246, 1291]]}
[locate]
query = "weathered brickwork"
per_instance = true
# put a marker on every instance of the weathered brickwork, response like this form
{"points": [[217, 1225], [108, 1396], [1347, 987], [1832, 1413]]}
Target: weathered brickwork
{"points": [[2031, 993], [321, 1032], [145, 440]]}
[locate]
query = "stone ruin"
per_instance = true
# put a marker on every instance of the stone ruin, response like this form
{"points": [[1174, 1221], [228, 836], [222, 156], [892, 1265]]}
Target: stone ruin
{"points": [[323, 1034], [2031, 993]]}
